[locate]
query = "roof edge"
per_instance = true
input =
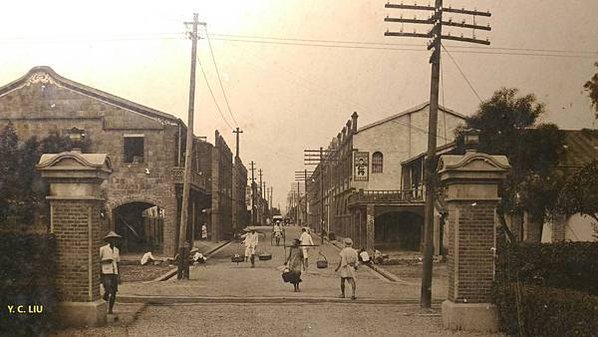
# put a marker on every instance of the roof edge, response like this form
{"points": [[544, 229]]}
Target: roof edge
{"points": [[89, 91], [410, 111]]}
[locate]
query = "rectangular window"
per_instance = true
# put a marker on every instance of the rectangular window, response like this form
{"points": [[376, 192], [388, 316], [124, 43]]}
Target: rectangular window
{"points": [[133, 149]]}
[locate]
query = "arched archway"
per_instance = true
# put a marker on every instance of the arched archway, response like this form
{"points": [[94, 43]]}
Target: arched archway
{"points": [[141, 224], [399, 230]]}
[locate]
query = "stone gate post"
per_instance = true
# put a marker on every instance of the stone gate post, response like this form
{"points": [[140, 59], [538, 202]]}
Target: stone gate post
{"points": [[75, 205], [472, 196]]}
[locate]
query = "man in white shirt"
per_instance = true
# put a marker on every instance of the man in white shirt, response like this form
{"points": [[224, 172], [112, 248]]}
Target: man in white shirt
{"points": [[277, 233], [306, 240], [109, 258], [251, 241]]}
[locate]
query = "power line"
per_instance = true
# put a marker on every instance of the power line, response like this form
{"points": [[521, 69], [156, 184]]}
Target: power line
{"points": [[219, 79], [472, 50], [212, 94], [344, 44], [401, 44], [462, 73]]}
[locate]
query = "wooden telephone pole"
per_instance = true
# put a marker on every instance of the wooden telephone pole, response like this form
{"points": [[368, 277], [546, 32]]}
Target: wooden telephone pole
{"points": [[252, 193], [183, 267], [319, 158], [237, 132], [435, 33]]}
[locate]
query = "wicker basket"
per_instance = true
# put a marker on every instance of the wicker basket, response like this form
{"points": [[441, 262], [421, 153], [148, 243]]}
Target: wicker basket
{"points": [[322, 262]]}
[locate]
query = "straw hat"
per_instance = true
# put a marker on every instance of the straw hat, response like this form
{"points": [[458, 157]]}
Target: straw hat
{"points": [[112, 235], [348, 242]]}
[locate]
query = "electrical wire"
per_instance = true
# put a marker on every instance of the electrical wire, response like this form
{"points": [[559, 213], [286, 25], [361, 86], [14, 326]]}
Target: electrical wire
{"points": [[472, 51], [462, 73], [212, 94], [322, 43], [219, 78], [402, 44]]}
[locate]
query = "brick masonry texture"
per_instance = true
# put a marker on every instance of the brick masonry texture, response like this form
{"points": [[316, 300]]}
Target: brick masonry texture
{"points": [[471, 250], [71, 227]]}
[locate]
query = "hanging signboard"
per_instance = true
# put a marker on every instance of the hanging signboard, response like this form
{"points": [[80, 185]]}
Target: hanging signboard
{"points": [[361, 166]]}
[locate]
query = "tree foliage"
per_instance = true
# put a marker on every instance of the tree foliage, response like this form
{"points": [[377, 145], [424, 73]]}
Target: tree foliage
{"points": [[22, 192], [591, 87], [508, 125], [580, 193]]}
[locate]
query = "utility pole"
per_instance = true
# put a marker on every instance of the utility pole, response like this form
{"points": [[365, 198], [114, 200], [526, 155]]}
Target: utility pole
{"points": [[316, 157], [260, 198], [252, 193], [237, 132], [183, 267], [298, 200], [435, 33], [299, 177], [306, 203]]}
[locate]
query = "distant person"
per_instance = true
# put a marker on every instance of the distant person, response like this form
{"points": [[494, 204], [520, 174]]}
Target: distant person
{"points": [[277, 232], [306, 241], [147, 258], [204, 232], [364, 257], [199, 258], [250, 242], [347, 266], [295, 264], [109, 259]]}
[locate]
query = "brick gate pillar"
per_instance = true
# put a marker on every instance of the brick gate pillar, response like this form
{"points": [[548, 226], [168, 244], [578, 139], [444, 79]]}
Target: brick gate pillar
{"points": [[75, 205], [472, 196]]}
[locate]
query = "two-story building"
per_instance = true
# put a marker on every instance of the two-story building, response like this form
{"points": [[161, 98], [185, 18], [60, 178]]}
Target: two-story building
{"points": [[143, 194], [360, 178]]}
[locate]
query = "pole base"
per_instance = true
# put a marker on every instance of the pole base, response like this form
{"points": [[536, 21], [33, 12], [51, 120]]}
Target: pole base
{"points": [[481, 317], [81, 314]]}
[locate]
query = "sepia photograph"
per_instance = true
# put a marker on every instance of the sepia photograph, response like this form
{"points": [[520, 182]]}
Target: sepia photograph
{"points": [[299, 168]]}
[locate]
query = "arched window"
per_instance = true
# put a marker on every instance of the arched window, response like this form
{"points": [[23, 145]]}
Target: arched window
{"points": [[377, 162]]}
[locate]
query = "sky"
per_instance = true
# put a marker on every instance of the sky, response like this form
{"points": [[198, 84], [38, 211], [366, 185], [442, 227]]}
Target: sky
{"points": [[288, 86]]}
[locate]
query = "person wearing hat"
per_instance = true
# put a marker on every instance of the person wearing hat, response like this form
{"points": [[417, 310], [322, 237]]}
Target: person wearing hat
{"points": [[347, 266], [250, 242], [109, 258], [294, 262]]}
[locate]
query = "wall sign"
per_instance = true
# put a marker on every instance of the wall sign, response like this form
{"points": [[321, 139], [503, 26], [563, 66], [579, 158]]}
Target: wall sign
{"points": [[361, 166]]}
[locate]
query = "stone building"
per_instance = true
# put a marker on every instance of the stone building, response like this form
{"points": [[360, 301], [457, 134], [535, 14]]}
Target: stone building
{"points": [[143, 194], [357, 190], [240, 214]]}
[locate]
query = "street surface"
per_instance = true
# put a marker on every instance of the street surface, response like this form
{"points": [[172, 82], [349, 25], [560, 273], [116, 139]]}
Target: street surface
{"points": [[228, 299]]}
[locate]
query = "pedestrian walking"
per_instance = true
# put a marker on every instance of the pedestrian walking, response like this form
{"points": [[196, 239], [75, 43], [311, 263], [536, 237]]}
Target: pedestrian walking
{"points": [[277, 232], [347, 266], [294, 263], [109, 258], [250, 242], [306, 241], [204, 232]]}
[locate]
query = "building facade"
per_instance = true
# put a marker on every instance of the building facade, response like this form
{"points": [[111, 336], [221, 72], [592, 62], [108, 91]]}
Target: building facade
{"points": [[357, 189], [143, 194]]}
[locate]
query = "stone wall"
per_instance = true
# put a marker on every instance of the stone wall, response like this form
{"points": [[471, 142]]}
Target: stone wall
{"points": [[40, 108], [222, 175], [240, 219]]}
